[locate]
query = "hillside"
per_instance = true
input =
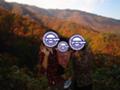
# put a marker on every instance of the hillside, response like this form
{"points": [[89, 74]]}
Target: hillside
{"points": [[102, 33], [65, 19]]}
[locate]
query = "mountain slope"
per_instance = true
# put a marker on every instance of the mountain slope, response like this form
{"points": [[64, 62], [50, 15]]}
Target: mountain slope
{"points": [[30, 21], [65, 19]]}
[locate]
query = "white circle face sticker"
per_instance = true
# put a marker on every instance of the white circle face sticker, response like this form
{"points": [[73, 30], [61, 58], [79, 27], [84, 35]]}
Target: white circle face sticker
{"points": [[63, 46], [77, 42], [50, 39]]}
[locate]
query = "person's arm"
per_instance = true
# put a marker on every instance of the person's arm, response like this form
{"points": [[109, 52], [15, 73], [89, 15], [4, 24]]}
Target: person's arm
{"points": [[45, 59], [45, 62], [44, 54]]}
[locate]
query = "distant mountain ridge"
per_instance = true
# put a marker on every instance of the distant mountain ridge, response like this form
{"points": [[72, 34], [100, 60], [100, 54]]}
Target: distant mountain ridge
{"points": [[65, 19], [101, 34]]}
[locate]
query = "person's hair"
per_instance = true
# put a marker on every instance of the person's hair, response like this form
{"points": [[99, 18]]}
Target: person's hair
{"points": [[86, 49], [51, 30], [64, 39]]}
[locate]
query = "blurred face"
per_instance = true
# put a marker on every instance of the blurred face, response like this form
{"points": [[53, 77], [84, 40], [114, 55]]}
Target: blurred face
{"points": [[50, 39]]}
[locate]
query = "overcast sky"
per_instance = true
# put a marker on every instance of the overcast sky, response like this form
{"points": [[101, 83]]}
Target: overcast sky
{"points": [[109, 8]]}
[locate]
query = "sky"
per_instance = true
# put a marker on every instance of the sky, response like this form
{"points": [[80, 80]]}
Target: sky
{"points": [[108, 8]]}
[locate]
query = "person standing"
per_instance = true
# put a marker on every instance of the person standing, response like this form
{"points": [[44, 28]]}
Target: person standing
{"points": [[82, 67], [64, 61], [51, 68]]}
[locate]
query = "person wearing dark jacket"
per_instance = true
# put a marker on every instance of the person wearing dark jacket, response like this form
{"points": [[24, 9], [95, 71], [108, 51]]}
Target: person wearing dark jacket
{"points": [[51, 68], [82, 69]]}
